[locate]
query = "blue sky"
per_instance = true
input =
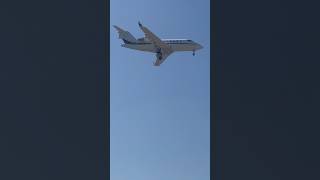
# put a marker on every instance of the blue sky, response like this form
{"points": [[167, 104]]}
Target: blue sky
{"points": [[160, 115]]}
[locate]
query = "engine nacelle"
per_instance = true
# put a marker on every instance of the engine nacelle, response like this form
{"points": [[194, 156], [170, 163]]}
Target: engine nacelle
{"points": [[143, 39]]}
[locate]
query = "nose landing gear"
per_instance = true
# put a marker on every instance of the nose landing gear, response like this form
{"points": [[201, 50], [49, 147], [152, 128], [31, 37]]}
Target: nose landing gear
{"points": [[193, 52]]}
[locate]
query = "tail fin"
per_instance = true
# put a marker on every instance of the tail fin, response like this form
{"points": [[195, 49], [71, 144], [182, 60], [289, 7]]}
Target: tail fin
{"points": [[125, 35]]}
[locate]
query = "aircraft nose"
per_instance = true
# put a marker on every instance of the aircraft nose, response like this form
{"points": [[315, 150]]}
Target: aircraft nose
{"points": [[199, 46]]}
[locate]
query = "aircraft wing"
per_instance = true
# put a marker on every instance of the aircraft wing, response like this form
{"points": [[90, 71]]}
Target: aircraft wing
{"points": [[165, 48], [155, 40], [164, 57]]}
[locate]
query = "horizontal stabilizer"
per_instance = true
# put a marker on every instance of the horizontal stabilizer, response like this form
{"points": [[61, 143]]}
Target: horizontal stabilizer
{"points": [[125, 35]]}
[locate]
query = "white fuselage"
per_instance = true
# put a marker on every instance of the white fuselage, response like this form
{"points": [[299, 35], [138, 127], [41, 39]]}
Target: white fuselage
{"points": [[143, 44]]}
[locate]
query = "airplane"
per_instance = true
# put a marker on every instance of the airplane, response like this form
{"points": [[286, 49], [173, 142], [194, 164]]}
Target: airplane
{"points": [[151, 43]]}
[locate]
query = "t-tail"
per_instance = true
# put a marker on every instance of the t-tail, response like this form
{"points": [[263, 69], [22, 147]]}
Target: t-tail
{"points": [[125, 36]]}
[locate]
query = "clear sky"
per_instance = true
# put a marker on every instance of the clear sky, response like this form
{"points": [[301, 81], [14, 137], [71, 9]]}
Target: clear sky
{"points": [[160, 115]]}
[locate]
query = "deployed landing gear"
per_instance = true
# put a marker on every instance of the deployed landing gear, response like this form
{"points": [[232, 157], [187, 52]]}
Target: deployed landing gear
{"points": [[193, 53], [159, 54]]}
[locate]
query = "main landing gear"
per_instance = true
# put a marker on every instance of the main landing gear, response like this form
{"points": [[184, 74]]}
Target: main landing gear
{"points": [[159, 54]]}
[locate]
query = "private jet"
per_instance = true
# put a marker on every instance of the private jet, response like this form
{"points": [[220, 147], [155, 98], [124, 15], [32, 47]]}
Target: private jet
{"points": [[151, 43]]}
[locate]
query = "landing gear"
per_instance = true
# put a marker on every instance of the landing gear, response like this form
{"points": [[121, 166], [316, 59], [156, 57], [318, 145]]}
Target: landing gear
{"points": [[159, 54], [193, 53]]}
